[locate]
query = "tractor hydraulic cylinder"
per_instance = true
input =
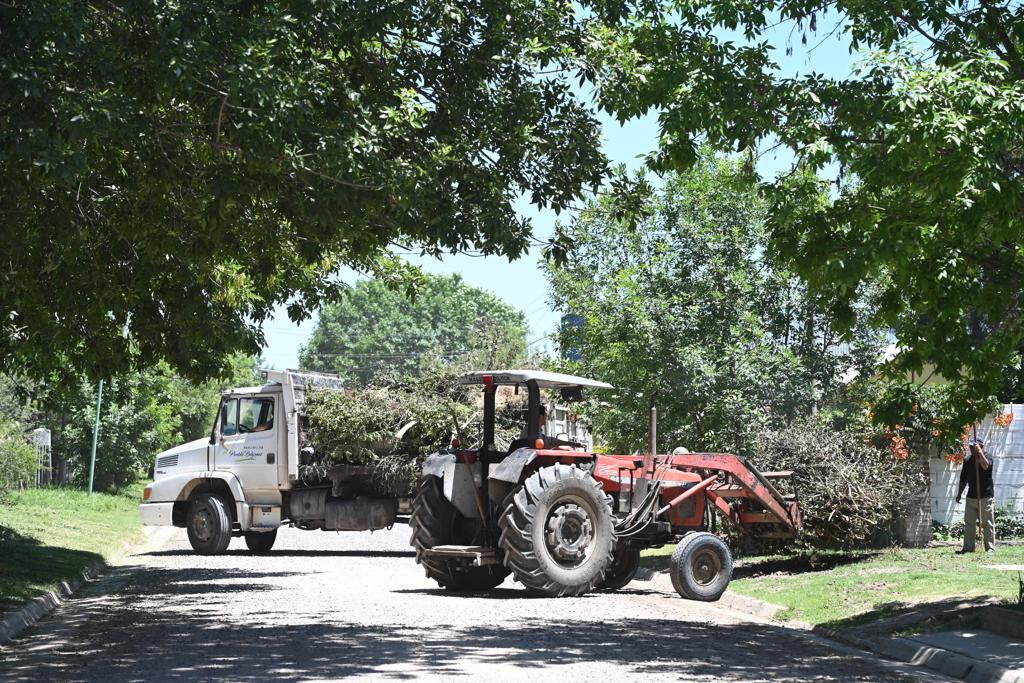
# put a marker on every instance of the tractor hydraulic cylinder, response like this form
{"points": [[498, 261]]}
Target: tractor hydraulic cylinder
{"points": [[692, 491]]}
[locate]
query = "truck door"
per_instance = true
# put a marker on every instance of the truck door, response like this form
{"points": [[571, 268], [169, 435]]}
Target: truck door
{"points": [[247, 443]]}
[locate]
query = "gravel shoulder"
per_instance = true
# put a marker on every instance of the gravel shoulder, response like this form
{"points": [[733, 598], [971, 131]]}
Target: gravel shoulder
{"points": [[327, 606]]}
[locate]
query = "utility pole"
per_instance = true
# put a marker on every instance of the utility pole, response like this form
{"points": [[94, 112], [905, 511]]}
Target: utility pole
{"points": [[95, 436]]}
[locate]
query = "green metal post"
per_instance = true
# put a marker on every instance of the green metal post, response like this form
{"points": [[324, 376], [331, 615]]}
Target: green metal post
{"points": [[95, 436]]}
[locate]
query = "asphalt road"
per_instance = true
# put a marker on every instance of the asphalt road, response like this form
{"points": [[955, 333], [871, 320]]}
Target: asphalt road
{"points": [[330, 606]]}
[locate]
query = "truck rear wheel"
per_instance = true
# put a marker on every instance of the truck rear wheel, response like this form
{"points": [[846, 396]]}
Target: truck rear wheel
{"points": [[557, 532], [625, 563], [209, 524], [260, 542], [435, 521], [701, 567]]}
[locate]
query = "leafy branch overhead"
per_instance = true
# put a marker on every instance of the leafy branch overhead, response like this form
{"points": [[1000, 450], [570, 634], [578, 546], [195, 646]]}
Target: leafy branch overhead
{"points": [[919, 154], [174, 171]]}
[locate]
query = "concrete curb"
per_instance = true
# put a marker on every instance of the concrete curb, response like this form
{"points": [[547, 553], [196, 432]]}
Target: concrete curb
{"points": [[945, 662], [729, 599], [758, 608], [900, 649], [37, 608]]}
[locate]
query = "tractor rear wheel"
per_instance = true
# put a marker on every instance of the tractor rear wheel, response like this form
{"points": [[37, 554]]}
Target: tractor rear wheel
{"points": [[435, 521], [557, 533], [701, 567], [625, 563]]}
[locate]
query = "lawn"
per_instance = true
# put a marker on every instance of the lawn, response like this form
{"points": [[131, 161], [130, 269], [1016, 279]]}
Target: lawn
{"points": [[840, 589], [48, 535]]}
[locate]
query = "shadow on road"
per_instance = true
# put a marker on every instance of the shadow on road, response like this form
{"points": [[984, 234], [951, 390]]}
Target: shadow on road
{"points": [[512, 593], [295, 553], [164, 624]]}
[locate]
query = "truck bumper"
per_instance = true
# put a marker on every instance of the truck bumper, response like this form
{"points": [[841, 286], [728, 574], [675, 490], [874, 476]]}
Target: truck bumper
{"points": [[156, 514]]}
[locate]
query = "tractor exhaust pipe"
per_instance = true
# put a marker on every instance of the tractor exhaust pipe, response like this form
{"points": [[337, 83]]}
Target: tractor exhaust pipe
{"points": [[652, 438], [643, 483]]}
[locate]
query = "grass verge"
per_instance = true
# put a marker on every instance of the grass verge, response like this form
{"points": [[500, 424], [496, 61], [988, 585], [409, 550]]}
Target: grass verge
{"points": [[48, 535], [844, 589]]}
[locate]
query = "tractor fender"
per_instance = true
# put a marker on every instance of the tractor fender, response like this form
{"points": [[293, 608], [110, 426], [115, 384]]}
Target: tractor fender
{"points": [[434, 464], [511, 468]]}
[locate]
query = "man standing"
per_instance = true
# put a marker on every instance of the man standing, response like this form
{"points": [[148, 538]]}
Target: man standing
{"points": [[976, 477]]}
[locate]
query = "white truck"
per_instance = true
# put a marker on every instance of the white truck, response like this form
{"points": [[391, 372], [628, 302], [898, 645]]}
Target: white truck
{"points": [[244, 480]]}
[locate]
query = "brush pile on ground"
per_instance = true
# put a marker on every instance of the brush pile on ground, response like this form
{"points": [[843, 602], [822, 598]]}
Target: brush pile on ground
{"points": [[850, 488], [392, 424]]}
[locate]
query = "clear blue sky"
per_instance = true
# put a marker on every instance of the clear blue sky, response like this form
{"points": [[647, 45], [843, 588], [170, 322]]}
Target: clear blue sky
{"points": [[521, 283]]}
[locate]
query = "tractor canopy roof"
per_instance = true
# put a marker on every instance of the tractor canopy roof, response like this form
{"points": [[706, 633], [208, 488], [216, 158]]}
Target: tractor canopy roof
{"points": [[546, 380]]}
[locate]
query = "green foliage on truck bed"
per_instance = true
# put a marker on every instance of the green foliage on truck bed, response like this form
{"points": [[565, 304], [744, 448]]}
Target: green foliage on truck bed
{"points": [[362, 426], [48, 535]]}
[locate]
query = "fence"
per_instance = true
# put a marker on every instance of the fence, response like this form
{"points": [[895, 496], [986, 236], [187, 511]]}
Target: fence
{"points": [[44, 456]]}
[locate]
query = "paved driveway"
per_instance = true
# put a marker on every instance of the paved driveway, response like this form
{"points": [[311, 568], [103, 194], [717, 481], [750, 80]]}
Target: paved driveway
{"points": [[330, 606]]}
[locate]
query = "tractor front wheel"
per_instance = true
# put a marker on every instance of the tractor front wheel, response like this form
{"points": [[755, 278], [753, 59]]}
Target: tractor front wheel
{"points": [[435, 521], [701, 567], [557, 532]]}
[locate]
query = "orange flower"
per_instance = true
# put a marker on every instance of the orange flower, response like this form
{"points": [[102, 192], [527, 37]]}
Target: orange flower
{"points": [[1003, 420], [899, 449]]}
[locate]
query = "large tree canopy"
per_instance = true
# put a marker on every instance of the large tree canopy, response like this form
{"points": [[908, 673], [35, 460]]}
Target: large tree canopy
{"points": [[920, 153], [688, 305], [373, 329], [173, 171]]}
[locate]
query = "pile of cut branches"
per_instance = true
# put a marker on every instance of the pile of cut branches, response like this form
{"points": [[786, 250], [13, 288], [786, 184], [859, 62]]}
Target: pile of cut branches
{"points": [[850, 488], [392, 424]]}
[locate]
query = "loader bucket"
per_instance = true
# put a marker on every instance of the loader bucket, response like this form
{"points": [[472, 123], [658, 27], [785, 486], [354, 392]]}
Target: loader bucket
{"points": [[744, 495]]}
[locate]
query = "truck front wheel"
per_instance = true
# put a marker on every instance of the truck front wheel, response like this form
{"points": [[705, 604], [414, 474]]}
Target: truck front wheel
{"points": [[209, 524]]}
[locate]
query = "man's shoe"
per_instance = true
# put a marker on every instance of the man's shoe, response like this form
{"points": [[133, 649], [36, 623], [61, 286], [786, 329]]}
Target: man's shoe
{"points": [[990, 550], [964, 552]]}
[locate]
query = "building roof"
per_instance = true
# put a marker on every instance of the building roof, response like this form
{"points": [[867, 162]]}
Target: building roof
{"points": [[546, 380]]}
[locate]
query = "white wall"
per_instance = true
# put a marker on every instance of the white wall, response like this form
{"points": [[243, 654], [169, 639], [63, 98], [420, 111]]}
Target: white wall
{"points": [[1006, 445]]}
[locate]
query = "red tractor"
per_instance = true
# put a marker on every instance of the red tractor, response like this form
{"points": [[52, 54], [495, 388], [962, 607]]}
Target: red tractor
{"points": [[565, 521]]}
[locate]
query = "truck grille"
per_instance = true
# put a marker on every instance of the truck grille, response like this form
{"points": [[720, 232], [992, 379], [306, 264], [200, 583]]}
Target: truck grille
{"points": [[167, 461]]}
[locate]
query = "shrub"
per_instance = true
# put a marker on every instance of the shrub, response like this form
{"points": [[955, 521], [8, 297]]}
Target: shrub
{"points": [[848, 488], [17, 458], [1009, 524]]}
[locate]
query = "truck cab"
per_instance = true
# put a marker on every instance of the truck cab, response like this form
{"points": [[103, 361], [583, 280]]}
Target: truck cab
{"points": [[240, 480]]}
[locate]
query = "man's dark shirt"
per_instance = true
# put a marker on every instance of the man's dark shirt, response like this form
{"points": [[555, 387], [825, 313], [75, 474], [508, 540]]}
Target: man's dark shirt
{"points": [[968, 474]]}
